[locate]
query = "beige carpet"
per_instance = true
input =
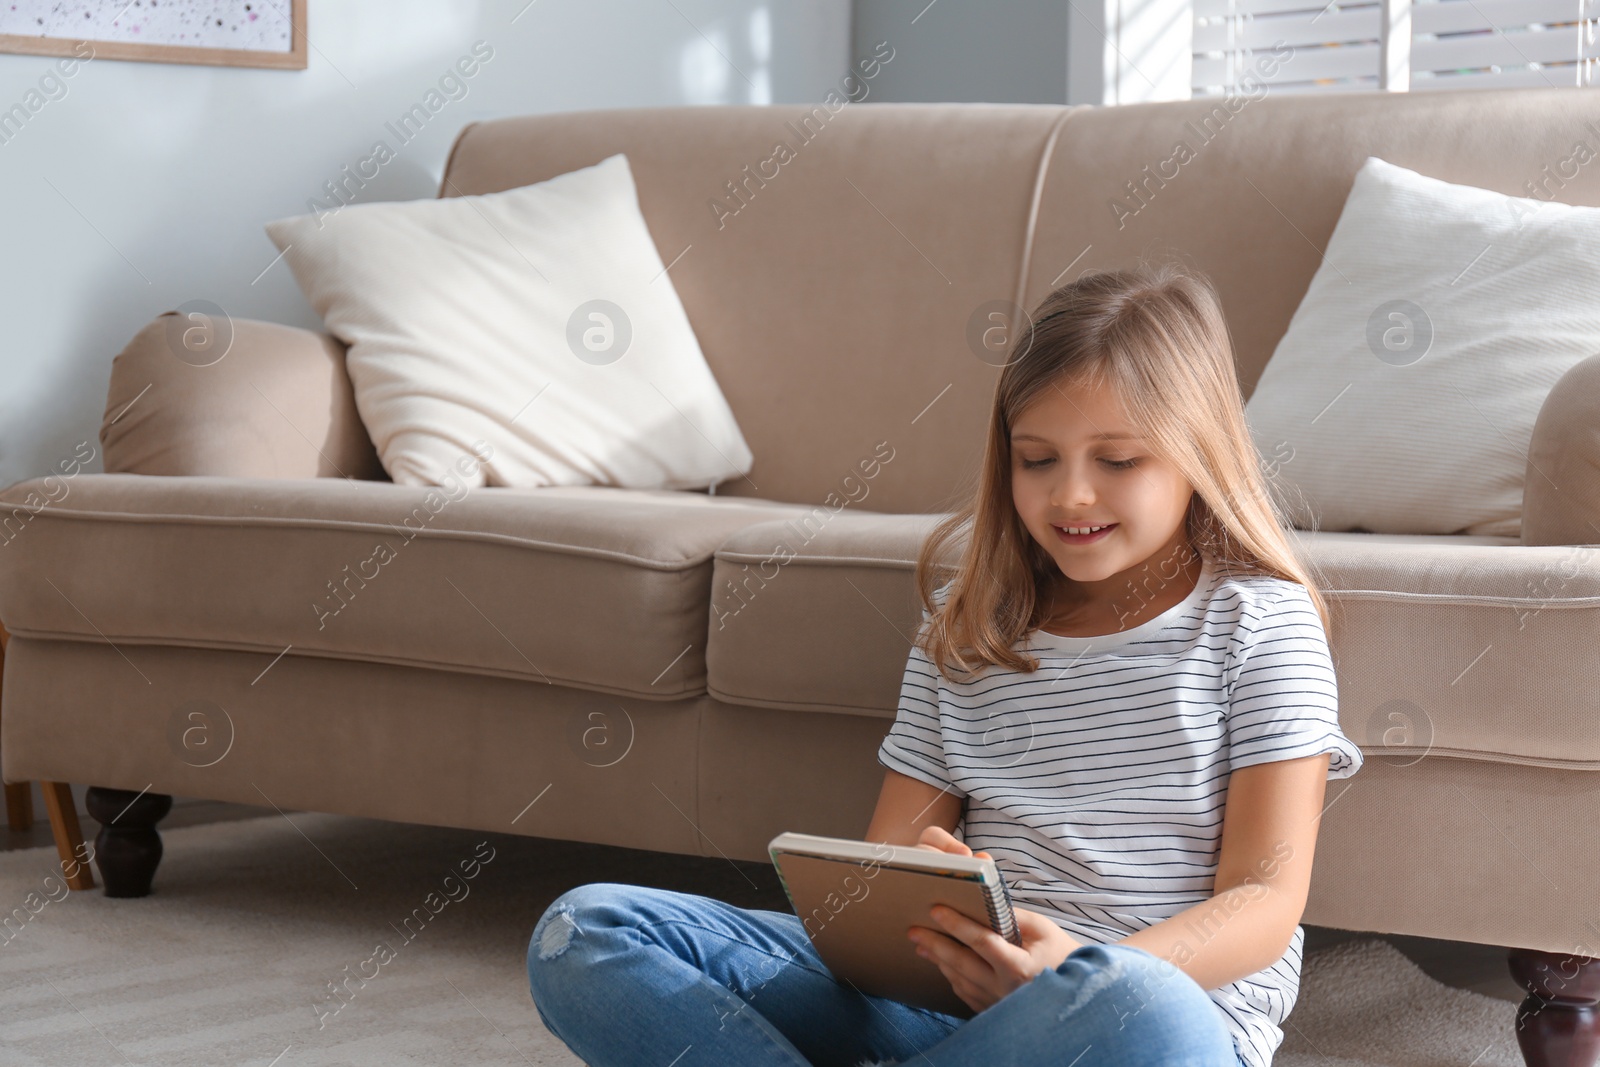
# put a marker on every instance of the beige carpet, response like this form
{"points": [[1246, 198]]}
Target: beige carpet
{"points": [[229, 961], [1363, 1003]]}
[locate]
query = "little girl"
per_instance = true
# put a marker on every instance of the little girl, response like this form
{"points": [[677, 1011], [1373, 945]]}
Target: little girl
{"points": [[1123, 695]]}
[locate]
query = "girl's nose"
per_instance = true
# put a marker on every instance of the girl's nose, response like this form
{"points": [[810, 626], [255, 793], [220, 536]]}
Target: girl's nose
{"points": [[1071, 491]]}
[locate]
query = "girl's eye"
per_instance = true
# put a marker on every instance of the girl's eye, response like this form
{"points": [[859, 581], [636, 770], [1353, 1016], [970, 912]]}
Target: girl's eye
{"points": [[1114, 464]]}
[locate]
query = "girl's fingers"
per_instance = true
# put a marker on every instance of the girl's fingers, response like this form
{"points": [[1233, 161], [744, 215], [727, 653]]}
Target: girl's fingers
{"points": [[987, 944], [965, 968], [953, 956], [943, 840]]}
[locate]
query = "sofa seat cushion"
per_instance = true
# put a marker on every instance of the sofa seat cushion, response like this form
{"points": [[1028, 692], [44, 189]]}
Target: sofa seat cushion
{"points": [[816, 613], [1460, 646], [599, 588]]}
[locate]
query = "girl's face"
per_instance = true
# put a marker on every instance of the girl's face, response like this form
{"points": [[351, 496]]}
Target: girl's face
{"points": [[1077, 462]]}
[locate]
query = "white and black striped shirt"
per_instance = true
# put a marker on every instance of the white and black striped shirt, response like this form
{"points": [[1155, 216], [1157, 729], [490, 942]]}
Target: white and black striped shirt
{"points": [[1098, 781]]}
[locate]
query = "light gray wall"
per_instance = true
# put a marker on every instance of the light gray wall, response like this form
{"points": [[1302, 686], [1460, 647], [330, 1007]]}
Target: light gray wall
{"points": [[960, 51], [145, 185]]}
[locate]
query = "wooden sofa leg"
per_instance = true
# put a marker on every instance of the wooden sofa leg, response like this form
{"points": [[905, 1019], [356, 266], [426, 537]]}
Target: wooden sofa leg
{"points": [[69, 838], [127, 847], [19, 795], [19, 805], [1558, 1024]]}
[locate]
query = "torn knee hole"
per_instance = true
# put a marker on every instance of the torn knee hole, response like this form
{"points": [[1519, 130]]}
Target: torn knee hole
{"points": [[557, 932], [1096, 983]]}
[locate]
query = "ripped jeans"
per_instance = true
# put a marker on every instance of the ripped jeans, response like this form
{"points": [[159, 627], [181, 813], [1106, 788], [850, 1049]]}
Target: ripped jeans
{"points": [[631, 976]]}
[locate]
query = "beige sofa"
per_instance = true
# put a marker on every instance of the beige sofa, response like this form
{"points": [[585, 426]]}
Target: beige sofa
{"points": [[695, 673]]}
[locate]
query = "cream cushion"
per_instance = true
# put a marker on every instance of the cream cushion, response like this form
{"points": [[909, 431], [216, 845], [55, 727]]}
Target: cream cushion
{"points": [[1403, 396], [535, 326]]}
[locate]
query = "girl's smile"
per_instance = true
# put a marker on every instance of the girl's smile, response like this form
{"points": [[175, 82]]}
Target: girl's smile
{"points": [[1081, 534]]}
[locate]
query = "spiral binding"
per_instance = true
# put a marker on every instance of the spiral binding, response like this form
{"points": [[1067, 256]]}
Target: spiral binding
{"points": [[997, 898]]}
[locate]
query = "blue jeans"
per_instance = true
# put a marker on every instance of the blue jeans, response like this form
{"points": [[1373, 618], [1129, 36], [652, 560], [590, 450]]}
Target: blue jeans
{"points": [[630, 976]]}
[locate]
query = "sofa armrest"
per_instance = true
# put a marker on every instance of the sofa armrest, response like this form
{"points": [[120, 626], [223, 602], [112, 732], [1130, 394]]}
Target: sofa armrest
{"points": [[276, 404], [1561, 491]]}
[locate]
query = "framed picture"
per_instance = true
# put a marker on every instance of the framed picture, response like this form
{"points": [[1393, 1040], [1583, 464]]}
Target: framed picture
{"points": [[223, 33]]}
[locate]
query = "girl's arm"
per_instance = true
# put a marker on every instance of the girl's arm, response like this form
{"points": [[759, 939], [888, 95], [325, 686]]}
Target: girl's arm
{"points": [[1269, 831], [906, 806]]}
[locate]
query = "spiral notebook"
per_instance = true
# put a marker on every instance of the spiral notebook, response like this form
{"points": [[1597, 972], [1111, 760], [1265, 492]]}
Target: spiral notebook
{"points": [[856, 899]]}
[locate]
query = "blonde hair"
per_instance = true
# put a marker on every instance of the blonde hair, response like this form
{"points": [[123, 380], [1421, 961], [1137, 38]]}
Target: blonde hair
{"points": [[1156, 335]]}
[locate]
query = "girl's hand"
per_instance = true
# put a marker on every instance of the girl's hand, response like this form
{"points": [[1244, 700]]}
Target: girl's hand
{"points": [[938, 839], [981, 966]]}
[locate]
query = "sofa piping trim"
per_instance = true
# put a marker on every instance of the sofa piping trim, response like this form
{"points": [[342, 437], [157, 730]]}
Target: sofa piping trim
{"points": [[739, 556], [1391, 595], [1038, 198], [450, 159], [152, 518], [202, 645]]}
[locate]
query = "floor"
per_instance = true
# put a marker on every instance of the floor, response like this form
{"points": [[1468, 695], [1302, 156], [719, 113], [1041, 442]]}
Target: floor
{"points": [[1481, 968]]}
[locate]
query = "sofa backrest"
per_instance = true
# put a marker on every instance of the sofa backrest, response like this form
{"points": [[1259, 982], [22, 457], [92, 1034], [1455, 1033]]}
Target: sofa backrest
{"points": [[837, 266]]}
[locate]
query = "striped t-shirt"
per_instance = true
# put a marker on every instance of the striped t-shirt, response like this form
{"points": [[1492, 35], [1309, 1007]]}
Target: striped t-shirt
{"points": [[1097, 782]]}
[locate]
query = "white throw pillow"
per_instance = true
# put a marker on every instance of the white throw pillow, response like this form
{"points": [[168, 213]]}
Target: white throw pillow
{"points": [[540, 320], [1402, 397]]}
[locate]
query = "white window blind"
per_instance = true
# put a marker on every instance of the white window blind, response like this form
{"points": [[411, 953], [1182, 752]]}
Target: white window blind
{"points": [[1334, 46], [1467, 43], [1430, 44]]}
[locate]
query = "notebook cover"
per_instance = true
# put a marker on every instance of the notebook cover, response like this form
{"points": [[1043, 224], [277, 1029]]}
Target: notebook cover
{"points": [[857, 920]]}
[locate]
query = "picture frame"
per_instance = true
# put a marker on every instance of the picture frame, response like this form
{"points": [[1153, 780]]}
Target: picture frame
{"points": [[154, 31]]}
